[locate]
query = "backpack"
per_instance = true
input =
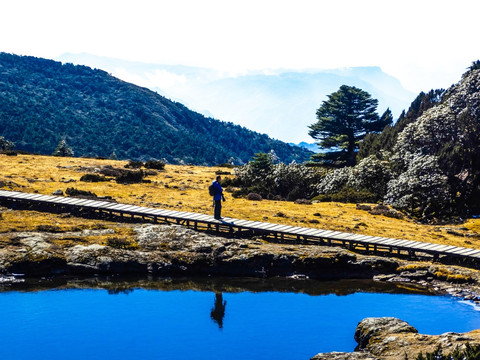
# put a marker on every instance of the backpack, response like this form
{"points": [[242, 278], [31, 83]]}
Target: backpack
{"points": [[211, 189]]}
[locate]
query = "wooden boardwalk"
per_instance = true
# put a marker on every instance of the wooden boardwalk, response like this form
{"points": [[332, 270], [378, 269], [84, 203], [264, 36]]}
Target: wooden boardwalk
{"points": [[196, 221]]}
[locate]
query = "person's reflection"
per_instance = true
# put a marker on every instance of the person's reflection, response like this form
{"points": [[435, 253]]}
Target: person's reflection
{"points": [[218, 312]]}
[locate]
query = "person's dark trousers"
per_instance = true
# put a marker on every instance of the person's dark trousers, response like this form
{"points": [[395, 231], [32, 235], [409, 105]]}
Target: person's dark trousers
{"points": [[217, 206]]}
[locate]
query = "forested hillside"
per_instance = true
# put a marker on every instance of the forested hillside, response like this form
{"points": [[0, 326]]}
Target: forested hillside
{"points": [[43, 101]]}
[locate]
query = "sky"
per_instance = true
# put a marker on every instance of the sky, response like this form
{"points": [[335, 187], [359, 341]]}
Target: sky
{"points": [[425, 44]]}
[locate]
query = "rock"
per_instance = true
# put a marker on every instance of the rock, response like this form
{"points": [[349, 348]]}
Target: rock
{"points": [[57, 193], [344, 356], [372, 328]]}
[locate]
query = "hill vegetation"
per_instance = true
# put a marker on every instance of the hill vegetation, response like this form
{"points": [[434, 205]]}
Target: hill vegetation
{"points": [[43, 102], [428, 163]]}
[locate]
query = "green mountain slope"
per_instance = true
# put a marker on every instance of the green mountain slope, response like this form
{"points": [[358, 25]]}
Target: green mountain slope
{"points": [[42, 101]]}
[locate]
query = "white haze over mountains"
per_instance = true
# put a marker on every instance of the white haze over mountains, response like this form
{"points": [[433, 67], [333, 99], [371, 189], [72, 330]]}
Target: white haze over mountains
{"points": [[281, 104]]}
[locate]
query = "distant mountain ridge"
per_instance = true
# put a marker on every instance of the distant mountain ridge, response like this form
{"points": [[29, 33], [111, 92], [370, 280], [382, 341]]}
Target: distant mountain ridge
{"points": [[43, 101], [281, 103]]}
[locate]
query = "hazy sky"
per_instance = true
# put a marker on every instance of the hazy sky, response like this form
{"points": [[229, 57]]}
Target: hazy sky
{"points": [[425, 44]]}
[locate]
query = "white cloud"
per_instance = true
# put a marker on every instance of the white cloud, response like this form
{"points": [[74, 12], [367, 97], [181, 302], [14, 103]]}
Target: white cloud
{"points": [[423, 43]]}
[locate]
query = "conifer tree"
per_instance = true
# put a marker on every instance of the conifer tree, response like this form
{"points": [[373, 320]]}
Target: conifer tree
{"points": [[343, 121], [6, 144], [63, 149]]}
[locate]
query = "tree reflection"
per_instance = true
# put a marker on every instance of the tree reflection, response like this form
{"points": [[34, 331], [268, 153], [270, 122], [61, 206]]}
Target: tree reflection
{"points": [[218, 312]]}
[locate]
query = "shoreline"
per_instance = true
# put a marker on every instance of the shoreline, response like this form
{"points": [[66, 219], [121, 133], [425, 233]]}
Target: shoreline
{"points": [[163, 251]]}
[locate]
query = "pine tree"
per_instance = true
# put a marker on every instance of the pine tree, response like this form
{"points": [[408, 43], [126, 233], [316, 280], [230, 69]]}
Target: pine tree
{"points": [[63, 149], [343, 121], [6, 144]]}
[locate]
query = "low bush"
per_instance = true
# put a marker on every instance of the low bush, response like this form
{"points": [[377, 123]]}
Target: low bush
{"points": [[254, 197], [348, 195], [155, 164], [132, 164], [111, 171], [150, 172], [364, 207], [121, 243], [93, 178], [130, 177], [235, 182], [76, 192], [226, 165], [49, 228], [303, 202], [237, 194], [385, 211]]}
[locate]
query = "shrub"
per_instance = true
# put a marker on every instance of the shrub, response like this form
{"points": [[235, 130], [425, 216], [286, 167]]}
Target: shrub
{"points": [[111, 171], [370, 174], [237, 194], [254, 197], [291, 182], [155, 164], [364, 207], [49, 228], [303, 202], [132, 164], [150, 172], [130, 177], [76, 192], [93, 178], [385, 211], [235, 182], [348, 195], [422, 189]]}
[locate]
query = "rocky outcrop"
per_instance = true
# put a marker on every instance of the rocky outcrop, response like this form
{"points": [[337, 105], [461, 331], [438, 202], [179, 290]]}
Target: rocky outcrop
{"points": [[174, 250], [369, 330], [393, 339]]}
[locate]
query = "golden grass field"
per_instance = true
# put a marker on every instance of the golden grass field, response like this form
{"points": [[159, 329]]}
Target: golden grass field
{"points": [[184, 188]]}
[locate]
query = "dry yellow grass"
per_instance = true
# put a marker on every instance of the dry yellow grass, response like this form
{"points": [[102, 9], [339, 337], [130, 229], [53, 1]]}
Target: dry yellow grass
{"points": [[185, 188]]}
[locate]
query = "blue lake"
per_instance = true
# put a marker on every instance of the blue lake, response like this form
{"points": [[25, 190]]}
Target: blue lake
{"points": [[244, 319]]}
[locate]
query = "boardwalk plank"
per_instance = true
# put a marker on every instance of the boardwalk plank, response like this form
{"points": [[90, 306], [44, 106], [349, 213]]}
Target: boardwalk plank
{"points": [[90, 203], [84, 201], [458, 251], [389, 242], [470, 252], [242, 222], [72, 201], [308, 232], [429, 248], [44, 198], [283, 228], [404, 243]]}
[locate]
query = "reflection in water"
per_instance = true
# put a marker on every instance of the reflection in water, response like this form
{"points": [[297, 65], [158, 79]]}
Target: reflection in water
{"points": [[218, 312]]}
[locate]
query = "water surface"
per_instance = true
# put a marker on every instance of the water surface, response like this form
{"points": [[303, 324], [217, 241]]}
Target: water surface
{"points": [[209, 319]]}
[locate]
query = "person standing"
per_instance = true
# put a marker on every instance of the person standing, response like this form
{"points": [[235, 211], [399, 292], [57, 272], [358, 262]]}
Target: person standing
{"points": [[217, 198]]}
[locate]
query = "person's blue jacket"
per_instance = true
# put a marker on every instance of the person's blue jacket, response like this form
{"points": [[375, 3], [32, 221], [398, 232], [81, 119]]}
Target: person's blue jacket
{"points": [[218, 190]]}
